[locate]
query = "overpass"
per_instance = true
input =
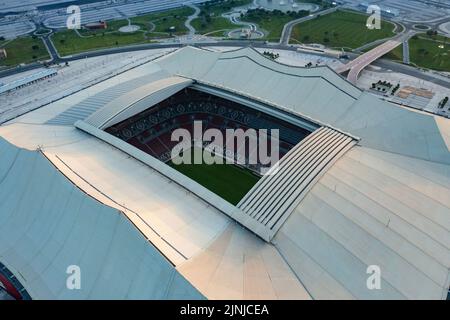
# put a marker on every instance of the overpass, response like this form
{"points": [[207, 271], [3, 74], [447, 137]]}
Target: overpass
{"points": [[357, 65]]}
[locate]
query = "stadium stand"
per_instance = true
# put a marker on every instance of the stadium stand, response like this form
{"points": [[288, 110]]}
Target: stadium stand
{"points": [[151, 130], [10, 286]]}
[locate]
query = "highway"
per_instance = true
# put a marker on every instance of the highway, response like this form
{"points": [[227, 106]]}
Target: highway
{"points": [[357, 64], [382, 63], [116, 10], [57, 59]]}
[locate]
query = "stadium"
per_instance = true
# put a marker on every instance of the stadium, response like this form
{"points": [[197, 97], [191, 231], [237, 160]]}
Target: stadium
{"points": [[87, 181]]}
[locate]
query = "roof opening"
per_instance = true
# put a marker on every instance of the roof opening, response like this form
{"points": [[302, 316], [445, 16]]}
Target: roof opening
{"points": [[197, 113]]}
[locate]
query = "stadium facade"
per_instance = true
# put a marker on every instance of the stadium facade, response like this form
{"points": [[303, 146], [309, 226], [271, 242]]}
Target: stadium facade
{"points": [[366, 183]]}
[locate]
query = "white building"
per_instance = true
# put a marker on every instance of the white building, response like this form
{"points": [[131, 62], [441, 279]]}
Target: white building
{"points": [[369, 187]]}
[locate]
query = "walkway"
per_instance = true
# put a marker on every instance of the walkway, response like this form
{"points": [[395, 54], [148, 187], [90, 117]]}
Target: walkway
{"points": [[191, 18], [357, 65]]}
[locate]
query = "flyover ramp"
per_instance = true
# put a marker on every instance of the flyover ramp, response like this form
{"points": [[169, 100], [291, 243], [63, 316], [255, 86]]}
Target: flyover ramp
{"points": [[357, 65]]}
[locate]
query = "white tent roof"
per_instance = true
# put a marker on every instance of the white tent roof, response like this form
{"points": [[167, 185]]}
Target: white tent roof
{"points": [[47, 224], [373, 208], [385, 202], [317, 93]]}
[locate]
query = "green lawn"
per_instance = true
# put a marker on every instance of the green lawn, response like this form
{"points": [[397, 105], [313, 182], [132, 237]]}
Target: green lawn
{"points": [[226, 180], [396, 54], [216, 9], [23, 50], [216, 24], [271, 22], [341, 29], [154, 25], [211, 20], [162, 21], [68, 42], [425, 51]]}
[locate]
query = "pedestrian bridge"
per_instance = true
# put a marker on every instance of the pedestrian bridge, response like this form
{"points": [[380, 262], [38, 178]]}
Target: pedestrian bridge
{"points": [[357, 65]]}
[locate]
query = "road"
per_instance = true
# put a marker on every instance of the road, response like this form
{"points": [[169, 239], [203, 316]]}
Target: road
{"points": [[382, 63], [55, 58], [54, 55], [287, 30]]}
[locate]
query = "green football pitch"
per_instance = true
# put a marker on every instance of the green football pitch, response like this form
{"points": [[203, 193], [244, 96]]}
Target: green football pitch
{"points": [[226, 180]]}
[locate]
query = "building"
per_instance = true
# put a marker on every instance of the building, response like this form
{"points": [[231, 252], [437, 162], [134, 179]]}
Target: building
{"points": [[28, 80], [96, 25], [366, 186]]}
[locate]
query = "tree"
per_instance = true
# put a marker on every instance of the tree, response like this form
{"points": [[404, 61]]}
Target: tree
{"points": [[422, 51], [62, 41], [35, 47], [431, 33]]}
